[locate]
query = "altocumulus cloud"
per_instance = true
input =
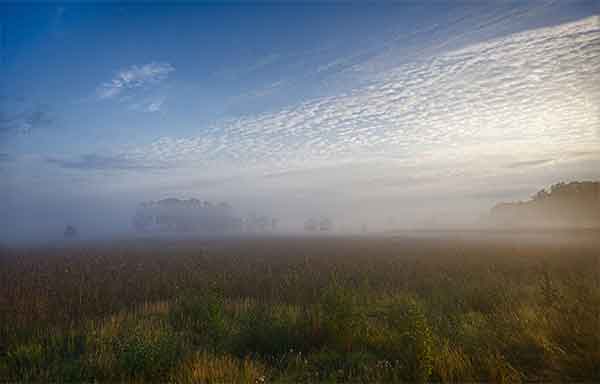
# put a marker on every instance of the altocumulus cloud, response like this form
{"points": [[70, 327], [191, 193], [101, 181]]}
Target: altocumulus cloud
{"points": [[524, 97]]}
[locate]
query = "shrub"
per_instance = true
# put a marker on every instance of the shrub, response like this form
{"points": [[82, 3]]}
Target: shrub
{"points": [[203, 318], [147, 349], [270, 332]]}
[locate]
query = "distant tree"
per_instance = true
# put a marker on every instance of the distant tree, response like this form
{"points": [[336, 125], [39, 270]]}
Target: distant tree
{"points": [[574, 204], [540, 195], [556, 188], [310, 225], [70, 232], [325, 224], [262, 223], [391, 221], [224, 205]]}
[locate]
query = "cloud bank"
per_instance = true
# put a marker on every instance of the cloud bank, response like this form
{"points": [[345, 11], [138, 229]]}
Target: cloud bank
{"points": [[521, 98], [510, 114]]}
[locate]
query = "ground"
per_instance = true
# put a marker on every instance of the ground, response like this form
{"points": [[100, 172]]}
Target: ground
{"points": [[402, 307]]}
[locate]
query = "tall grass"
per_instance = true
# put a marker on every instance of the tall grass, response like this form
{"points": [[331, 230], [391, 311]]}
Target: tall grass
{"points": [[301, 310]]}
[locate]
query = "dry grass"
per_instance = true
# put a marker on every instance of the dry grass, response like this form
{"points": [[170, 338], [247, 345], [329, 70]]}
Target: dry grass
{"points": [[203, 367], [302, 310]]}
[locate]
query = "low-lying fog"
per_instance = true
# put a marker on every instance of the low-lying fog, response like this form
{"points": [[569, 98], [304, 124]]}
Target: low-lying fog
{"points": [[413, 118]]}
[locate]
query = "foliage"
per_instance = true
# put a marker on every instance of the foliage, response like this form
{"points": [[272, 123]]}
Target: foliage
{"points": [[564, 205]]}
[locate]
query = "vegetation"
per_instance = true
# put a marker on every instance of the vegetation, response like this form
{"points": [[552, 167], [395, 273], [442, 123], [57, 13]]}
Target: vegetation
{"points": [[575, 204], [302, 310]]}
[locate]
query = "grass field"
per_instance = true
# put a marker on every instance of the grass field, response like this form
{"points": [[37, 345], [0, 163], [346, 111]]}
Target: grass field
{"points": [[302, 310]]}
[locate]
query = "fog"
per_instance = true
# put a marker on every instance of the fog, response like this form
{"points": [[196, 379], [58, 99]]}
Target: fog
{"points": [[426, 127], [29, 218]]}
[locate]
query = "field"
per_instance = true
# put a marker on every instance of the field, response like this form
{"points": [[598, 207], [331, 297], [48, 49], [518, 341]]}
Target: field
{"points": [[299, 309]]}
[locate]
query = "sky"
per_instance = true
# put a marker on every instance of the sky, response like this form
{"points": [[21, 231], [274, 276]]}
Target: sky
{"points": [[425, 112]]}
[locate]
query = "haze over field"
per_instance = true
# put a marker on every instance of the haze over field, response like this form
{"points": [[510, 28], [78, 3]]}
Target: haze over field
{"points": [[428, 114], [276, 192]]}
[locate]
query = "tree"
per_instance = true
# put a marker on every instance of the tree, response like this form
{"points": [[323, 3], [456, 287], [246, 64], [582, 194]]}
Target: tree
{"points": [[310, 225], [540, 195], [70, 232]]}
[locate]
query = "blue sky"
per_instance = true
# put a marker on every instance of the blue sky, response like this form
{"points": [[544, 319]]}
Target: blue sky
{"points": [[281, 107]]}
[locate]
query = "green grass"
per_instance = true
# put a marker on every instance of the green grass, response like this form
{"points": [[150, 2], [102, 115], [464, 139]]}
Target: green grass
{"points": [[301, 310]]}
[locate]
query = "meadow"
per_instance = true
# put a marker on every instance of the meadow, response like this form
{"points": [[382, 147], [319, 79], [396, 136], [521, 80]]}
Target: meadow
{"points": [[301, 309]]}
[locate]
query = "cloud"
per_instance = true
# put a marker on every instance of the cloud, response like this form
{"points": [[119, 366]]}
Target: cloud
{"points": [[246, 99], [150, 104], [460, 27], [235, 72], [578, 154], [155, 105], [528, 95], [137, 86], [101, 162], [529, 163], [500, 194], [16, 116], [57, 23], [135, 77], [460, 123]]}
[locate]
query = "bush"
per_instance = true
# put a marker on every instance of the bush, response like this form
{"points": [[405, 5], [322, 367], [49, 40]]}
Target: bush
{"points": [[147, 349], [203, 318], [270, 332]]}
